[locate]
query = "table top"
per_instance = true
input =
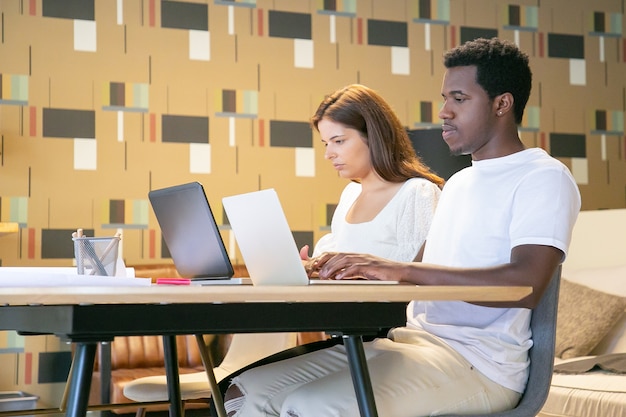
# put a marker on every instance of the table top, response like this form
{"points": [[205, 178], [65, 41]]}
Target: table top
{"points": [[85, 313], [175, 294]]}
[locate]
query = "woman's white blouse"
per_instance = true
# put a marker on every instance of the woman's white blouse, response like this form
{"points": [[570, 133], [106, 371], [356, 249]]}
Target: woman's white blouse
{"points": [[396, 233]]}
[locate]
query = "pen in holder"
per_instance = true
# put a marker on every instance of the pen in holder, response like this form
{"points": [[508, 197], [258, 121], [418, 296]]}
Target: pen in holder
{"points": [[95, 255]]}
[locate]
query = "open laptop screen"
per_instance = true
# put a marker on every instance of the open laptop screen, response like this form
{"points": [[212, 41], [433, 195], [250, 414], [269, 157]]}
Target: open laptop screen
{"points": [[190, 231]]}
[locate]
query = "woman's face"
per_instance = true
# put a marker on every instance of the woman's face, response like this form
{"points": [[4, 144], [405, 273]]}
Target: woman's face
{"points": [[345, 149]]}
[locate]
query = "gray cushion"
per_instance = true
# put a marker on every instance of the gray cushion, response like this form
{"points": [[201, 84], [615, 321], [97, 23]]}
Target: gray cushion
{"points": [[585, 316]]}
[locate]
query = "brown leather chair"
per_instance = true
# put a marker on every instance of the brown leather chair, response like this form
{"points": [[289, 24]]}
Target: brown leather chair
{"points": [[130, 357]]}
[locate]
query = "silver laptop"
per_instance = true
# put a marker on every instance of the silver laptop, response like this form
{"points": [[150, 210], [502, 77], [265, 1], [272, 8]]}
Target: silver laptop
{"points": [[191, 234], [266, 243]]}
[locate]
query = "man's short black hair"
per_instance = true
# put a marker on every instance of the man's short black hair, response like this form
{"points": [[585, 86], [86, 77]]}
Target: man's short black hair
{"points": [[501, 67]]}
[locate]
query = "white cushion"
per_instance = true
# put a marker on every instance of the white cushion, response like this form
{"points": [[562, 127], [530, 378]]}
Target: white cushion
{"points": [[592, 394], [244, 349], [154, 388]]}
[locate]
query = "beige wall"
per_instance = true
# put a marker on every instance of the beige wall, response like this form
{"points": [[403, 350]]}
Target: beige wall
{"points": [[42, 170]]}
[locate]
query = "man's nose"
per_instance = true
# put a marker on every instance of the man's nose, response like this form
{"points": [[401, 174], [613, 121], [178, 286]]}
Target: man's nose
{"points": [[444, 112]]}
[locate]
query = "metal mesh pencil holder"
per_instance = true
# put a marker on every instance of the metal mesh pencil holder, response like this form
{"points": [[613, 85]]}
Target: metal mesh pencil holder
{"points": [[96, 255]]}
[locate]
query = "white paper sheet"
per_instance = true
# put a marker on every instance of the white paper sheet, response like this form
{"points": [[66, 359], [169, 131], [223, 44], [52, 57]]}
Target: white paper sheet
{"points": [[55, 277]]}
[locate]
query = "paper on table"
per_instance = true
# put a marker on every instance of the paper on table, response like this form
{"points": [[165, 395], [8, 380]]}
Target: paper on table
{"points": [[51, 277], [123, 270]]}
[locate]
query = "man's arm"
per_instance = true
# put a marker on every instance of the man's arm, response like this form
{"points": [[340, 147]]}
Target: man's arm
{"points": [[530, 265]]}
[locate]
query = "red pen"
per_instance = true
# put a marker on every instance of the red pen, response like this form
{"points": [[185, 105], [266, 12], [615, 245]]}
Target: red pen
{"points": [[173, 281]]}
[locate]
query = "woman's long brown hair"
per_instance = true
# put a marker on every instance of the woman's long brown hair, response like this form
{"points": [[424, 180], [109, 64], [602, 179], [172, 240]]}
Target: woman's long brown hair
{"points": [[391, 152]]}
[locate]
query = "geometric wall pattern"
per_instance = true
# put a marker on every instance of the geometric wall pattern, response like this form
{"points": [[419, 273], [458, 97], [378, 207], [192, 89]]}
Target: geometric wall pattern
{"points": [[102, 101]]}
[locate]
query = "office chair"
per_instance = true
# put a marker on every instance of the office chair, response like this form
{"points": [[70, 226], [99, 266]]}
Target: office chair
{"points": [[541, 354], [543, 326]]}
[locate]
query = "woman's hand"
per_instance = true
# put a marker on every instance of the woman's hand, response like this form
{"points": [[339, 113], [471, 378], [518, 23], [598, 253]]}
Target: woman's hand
{"points": [[304, 253], [309, 263]]}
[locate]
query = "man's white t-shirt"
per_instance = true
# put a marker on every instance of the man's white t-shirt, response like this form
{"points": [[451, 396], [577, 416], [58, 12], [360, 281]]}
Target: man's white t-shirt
{"points": [[485, 211]]}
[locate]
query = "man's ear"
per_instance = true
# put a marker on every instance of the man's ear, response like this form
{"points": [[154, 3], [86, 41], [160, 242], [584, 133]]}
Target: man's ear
{"points": [[503, 103]]}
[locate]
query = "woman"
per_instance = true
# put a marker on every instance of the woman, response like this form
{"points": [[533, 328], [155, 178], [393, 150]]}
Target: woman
{"points": [[385, 211], [387, 207]]}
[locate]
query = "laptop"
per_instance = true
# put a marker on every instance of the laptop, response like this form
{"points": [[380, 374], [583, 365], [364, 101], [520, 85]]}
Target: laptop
{"points": [[266, 243], [191, 234]]}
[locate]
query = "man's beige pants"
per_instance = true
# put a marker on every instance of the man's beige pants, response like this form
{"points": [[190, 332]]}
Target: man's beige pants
{"points": [[413, 375]]}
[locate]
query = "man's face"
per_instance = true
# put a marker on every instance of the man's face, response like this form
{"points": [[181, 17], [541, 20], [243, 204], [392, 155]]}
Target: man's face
{"points": [[467, 113]]}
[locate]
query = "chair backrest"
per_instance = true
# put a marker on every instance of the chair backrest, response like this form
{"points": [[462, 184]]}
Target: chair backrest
{"points": [[133, 352], [543, 326]]}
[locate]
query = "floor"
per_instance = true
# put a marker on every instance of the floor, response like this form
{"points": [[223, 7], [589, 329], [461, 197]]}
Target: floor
{"points": [[188, 413]]}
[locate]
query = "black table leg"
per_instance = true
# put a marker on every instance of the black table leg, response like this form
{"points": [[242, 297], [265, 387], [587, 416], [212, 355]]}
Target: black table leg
{"points": [[80, 380], [360, 375], [171, 372]]}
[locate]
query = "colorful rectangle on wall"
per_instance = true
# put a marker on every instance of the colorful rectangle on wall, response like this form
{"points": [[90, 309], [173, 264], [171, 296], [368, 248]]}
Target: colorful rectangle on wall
{"points": [[184, 129], [237, 103], [518, 17], [290, 134], [119, 96], [54, 367], [303, 238], [11, 342], [530, 120], [568, 145], [431, 11], [426, 114], [14, 210], [435, 153], [240, 3], [58, 243], [14, 89], [68, 123], [607, 122], [116, 211], [471, 33], [605, 24], [127, 214], [183, 15], [289, 25], [387, 33], [328, 213], [68, 9], [566, 46], [337, 7], [165, 252]]}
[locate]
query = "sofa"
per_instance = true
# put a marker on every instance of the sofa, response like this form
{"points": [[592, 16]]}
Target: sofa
{"points": [[589, 378]]}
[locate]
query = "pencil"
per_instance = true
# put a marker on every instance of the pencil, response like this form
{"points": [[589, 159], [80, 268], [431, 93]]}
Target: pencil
{"points": [[109, 248], [91, 252]]}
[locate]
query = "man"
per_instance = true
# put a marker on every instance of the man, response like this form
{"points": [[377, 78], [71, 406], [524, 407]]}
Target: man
{"points": [[507, 219]]}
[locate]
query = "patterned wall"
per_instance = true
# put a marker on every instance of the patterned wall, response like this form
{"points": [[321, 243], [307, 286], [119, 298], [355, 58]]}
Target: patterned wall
{"points": [[102, 101]]}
